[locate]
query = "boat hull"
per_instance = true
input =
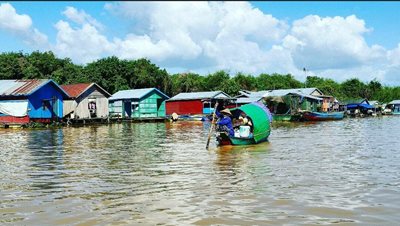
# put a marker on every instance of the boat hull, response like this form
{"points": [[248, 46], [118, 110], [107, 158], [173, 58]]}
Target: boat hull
{"points": [[322, 116], [224, 139]]}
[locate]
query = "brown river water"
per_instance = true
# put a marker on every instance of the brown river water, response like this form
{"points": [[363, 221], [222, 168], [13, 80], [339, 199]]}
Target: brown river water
{"points": [[342, 172]]}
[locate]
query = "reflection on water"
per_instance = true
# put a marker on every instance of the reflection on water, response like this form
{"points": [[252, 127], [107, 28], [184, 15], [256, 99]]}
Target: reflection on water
{"points": [[342, 172]]}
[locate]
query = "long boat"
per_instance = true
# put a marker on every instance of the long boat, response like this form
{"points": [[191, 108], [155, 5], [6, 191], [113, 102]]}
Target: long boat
{"points": [[322, 116], [260, 117]]}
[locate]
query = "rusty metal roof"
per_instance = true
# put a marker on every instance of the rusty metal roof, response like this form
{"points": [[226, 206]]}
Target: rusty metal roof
{"points": [[23, 87], [75, 90]]}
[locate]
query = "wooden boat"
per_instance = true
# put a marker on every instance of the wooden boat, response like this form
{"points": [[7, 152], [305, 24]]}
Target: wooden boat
{"points": [[322, 116], [260, 117]]}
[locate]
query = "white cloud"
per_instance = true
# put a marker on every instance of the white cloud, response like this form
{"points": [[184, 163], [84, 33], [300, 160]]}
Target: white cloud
{"points": [[233, 36], [208, 36], [81, 17], [331, 42], [83, 44], [21, 26], [393, 56], [10, 20], [227, 33]]}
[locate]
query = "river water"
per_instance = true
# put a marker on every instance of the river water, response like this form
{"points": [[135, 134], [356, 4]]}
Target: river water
{"points": [[344, 172]]}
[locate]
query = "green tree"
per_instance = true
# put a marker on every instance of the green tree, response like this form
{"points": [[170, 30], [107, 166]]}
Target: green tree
{"points": [[246, 82], [215, 81], [109, 73], [354, 89], [12, 65]]}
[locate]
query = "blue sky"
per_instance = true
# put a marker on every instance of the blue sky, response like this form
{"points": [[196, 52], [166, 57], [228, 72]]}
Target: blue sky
{"points": [[337, 40]]}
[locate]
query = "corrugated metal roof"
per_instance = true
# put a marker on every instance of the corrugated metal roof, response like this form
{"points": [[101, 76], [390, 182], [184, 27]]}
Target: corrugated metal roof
{"points": [[74, 90], [307, 96], [358, 101], [200, 95], [282, 92], [134, 94], [23, 87], [245, 100], [373, 102], [394, 102]]}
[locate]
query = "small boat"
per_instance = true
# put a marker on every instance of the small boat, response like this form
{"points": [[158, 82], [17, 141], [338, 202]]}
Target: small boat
{"points": [[322, 116], [260, 117]]}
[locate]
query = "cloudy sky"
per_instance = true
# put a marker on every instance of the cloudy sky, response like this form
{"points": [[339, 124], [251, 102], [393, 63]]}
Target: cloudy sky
{"points": [[338, 40]]}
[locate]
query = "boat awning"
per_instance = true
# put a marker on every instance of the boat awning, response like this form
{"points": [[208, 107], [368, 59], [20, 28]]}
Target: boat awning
{"points": [[365, 106], [260, 117]]}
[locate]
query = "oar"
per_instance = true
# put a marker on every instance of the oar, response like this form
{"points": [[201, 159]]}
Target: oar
{"points": [[212, 125]]}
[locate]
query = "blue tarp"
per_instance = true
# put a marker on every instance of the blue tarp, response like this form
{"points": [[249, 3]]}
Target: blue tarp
{"points": [[354, 106]]}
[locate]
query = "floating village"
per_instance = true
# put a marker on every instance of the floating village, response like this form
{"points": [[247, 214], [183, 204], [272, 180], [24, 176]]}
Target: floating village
{"points": [[26, 103]]}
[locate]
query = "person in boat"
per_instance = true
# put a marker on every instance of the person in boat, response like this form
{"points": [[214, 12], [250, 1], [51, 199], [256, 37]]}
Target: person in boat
{"points": [[244, 120], [225, 122]]}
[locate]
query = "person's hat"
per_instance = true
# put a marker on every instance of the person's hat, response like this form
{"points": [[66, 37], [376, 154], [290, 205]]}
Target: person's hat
{"points": [[226, 111]]}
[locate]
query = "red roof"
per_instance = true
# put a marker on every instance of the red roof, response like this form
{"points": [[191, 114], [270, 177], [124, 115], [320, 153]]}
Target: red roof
{"points": [[74, 90]]}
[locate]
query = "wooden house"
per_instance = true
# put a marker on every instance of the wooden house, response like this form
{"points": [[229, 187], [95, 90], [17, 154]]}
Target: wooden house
{"points": [[196, 103], [87, 101], [24, 101], [138, 103]]}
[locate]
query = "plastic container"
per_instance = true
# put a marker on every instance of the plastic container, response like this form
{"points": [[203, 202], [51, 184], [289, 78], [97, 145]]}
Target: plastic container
{"points": [[244, 131], [237, 133]]}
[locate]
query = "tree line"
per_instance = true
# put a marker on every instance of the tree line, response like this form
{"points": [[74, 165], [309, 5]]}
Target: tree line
{"points": [[114, 74]]}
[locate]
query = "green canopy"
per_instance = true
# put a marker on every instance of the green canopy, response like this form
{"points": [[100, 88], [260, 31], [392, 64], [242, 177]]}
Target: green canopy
{"points": [[260, 120]]}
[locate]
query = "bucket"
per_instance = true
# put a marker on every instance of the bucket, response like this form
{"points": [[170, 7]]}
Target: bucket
{"points": [[244, 131]]}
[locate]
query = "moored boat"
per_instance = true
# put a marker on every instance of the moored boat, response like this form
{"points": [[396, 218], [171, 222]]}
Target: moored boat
{"points": [[260, 117], [322, 116]]}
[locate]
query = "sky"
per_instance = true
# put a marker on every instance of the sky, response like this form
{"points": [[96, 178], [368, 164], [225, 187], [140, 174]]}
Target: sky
{"points": [[337, 40]]}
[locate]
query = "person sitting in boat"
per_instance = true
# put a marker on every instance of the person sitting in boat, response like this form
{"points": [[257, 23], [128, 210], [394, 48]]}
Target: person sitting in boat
{"points": [[244, 120], [224, 123]]}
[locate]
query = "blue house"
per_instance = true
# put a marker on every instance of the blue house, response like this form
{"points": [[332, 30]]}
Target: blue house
{"points": [[23, 101], [138, 103]]}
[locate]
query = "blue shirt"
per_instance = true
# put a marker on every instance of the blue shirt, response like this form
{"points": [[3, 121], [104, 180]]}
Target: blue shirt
{"points": [[225, 121]]}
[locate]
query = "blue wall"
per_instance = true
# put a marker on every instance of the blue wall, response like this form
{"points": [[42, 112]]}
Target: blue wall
{"points": [[35, 106]]}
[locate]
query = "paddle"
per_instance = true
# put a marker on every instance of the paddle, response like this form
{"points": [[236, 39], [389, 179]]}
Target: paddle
{"points": [[212, 125]]}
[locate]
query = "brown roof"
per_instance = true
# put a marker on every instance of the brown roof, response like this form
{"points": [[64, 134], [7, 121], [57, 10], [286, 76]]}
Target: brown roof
{"points": [[74, 90]]}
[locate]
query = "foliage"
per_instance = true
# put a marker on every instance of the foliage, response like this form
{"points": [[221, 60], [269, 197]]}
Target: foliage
{"points": [[115, 74]]}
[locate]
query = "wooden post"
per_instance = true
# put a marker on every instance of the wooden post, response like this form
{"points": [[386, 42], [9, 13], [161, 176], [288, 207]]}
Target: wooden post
{"points": [[212, 125]]}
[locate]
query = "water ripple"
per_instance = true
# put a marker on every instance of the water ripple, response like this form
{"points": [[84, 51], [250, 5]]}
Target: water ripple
{"points": [[343, 172]]}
